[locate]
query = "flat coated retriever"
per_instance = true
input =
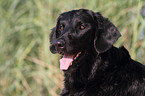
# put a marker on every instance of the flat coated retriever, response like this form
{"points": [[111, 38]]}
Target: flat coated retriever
{"points": [[92, 65]]}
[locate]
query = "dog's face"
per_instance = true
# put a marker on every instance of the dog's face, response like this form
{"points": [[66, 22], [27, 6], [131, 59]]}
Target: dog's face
{"points": [[74, 30], [79, 31]]}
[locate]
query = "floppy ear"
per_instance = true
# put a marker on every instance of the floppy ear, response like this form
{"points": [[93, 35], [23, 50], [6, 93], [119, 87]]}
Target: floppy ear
{"points": [[52, 38], [52, 35], [106, 34]]}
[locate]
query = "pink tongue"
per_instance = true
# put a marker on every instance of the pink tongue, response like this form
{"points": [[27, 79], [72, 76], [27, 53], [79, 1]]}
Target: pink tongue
{"points": [[66, 61]]}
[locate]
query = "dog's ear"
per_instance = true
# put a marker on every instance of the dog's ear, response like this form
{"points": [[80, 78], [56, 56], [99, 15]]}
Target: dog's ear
{"points": [[106, 34], [52, 38], [52, 35]]}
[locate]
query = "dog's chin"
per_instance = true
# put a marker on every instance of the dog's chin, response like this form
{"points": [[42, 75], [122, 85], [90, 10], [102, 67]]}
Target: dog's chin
{"points": [[71, 60]]}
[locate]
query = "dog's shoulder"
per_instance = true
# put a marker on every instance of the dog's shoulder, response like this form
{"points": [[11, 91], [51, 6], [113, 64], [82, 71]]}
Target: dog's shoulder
{"points": [[123, 73], [128, 62], [128, 65]]}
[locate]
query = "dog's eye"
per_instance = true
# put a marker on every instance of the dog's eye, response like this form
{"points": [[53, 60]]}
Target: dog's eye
{"points": [[61, 27], [82, 27]]}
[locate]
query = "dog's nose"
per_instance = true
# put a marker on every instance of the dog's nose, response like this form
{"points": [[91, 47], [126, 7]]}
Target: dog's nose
{"points": [[59, 44]]}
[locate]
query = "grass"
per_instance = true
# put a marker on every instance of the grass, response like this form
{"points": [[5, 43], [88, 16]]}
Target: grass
{"points": [[27, 68]]}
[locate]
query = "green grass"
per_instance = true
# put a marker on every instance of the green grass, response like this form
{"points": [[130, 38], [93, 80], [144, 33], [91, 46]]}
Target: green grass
{"points": [[27, 68]]}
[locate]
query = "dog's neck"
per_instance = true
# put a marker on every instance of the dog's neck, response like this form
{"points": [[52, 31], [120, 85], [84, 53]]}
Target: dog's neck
{"points": [[78, 78]]}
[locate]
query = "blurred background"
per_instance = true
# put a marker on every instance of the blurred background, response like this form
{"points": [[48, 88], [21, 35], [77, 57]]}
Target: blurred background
{"points": [[27, 68]]}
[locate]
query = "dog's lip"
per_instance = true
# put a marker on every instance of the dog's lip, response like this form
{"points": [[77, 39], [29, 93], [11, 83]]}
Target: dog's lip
{"points": [[77, 55], [60, 52], [68, 59]]}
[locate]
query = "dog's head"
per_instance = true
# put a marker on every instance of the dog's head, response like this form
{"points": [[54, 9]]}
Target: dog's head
{"points": [[78, 31]]}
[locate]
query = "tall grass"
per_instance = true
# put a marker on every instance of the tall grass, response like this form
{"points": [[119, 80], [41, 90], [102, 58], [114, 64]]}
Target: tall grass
{"points": [[27, 68]]}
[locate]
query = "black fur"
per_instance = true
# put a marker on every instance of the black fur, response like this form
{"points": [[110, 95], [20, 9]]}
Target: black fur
{"points": [[101, 69]]}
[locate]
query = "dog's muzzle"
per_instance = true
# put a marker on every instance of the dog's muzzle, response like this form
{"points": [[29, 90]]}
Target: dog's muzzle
{"points": [[58, 46]]}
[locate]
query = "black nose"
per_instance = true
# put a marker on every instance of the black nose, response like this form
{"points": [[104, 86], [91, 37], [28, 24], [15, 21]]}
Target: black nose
{"points": [[59, 44]]}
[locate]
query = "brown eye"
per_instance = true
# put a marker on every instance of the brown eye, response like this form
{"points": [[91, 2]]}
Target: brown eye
{"points": [[61, 27], [82, 27]]}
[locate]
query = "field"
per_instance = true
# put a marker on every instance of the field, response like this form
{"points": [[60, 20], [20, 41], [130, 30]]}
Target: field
{"points": [[27, 68]]}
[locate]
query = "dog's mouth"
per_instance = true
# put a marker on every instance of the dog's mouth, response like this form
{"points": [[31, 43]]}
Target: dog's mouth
{"points": [[67, 60]]}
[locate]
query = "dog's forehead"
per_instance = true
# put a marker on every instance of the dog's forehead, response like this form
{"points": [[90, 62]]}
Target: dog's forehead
{"points": [[75, 14]]}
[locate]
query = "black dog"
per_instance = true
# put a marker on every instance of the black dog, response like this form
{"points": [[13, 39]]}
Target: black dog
{"points": [[92, 65]]}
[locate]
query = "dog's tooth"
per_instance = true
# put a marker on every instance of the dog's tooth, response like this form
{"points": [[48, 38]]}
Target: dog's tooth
{"points": [[71, 63], [75, 58], [77, 55]]}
